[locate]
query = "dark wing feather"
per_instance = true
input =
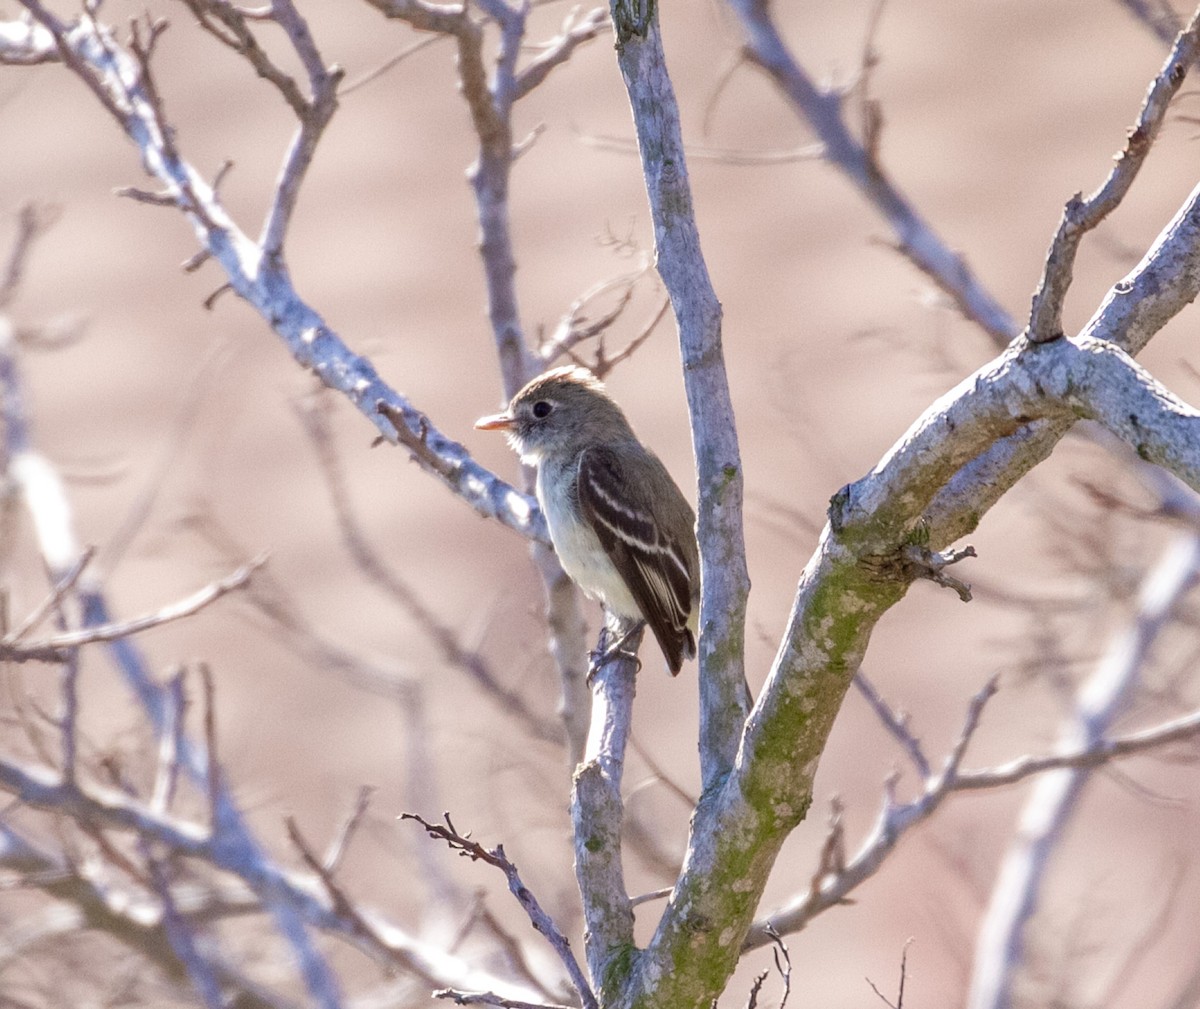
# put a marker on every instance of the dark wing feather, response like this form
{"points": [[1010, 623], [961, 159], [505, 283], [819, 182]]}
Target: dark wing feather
{"points": [[655, 568]]}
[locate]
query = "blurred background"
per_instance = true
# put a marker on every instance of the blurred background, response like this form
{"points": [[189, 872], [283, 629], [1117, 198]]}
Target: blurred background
{"points": [[179, 432]]}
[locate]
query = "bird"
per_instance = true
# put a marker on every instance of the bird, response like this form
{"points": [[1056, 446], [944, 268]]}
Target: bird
{"points": [[622, 529]]}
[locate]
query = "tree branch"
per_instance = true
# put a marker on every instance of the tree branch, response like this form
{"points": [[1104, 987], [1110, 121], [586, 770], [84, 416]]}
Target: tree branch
{"points": [[823, 110], [724, 696], [52, 648], [1081, 216], [490, 105], [1099, 702], [540, 920], [558, 50], [896, 820], [115, 78], [994, 425], [597, 813]]}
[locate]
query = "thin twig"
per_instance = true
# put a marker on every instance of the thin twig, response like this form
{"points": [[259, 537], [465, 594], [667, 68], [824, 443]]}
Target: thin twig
{"points": [[52, 601], [896, 724], [1082, 215], [897, 820], [341, 841], [390, 64], [52, 647], [169, 743], [212, 766], [32, 221], [540, 920], [899, 1003], [644, 898]]}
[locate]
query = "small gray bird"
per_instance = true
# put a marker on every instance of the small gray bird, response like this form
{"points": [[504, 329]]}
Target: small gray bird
{"points": [[623, 531]]}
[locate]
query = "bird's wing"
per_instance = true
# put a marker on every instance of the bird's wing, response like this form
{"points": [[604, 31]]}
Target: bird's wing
{"points": [[654, 568]]}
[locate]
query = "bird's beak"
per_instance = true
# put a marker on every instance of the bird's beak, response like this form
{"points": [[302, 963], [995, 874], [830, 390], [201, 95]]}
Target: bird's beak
{"points": [[496, 422]]}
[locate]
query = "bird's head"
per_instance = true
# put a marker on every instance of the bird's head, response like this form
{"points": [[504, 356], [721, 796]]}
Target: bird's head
{"points": [[558, 413]]}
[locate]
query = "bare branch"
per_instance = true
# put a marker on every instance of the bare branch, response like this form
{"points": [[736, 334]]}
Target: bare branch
{"points": [[575, 326], [897, 820], [645, 898], [1081, 216], [227, 24], [538, 917], [26, 43], [313, 415], [896, 724], [318, 111], [1099, 702], [179, 933], [446, 19], [32, 222], [560, 49], [724, 695], [899, 1003], [341, 843], [144, 196], [824, 112], [510, 947], [53, 601], [603, 365], [390, 64], [105, 907], [702, 152], [51, 648], [597, 806], [932, 564]]}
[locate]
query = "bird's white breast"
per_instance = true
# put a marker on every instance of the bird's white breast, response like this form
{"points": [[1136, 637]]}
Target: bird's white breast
{"points": [[579, 551]]}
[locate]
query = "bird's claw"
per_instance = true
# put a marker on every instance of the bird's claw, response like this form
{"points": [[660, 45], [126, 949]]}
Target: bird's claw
{"points": [[597, 657]]}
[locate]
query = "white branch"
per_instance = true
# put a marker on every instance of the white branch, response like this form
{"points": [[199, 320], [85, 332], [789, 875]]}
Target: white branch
{"points": [[115, 77], [1099, 702]]}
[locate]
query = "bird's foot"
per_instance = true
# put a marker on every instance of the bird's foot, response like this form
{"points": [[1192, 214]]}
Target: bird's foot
{"points": [[617, 650]]}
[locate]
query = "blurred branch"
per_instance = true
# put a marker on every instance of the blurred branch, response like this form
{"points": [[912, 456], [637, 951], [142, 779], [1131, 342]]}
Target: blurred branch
{"points": [[509, 946], [228, 844], [102, 906], [1157, 15], [32, 222], [53, 648], [721, 155], [1099, 702], [896, 724], [858, 161], [26, 43], [314, 415], [113, 809]]}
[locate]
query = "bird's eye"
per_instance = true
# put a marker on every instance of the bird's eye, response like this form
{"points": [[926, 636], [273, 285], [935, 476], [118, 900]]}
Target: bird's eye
{"points": [[542, 408]]}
